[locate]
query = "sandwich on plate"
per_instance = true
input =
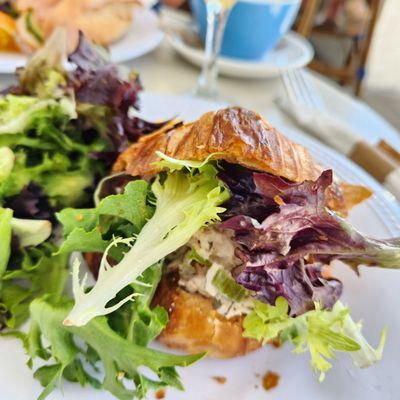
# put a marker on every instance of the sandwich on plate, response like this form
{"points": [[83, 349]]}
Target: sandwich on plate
{"points": [[215, 237]]}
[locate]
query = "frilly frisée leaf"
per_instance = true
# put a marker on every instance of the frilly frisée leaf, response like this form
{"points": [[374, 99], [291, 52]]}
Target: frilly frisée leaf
{"points": [[185, 202], [321, 332]]}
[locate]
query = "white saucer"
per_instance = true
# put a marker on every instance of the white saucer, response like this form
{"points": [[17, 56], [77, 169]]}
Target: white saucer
{"points": [[143, 36], [293, 51]]}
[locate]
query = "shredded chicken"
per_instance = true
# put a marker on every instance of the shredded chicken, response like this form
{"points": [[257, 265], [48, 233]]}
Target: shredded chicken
{"points": [[217, 248]]}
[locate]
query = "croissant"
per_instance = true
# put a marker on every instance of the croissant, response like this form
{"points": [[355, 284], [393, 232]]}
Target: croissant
{"points": [[195, 326], [237, 136]]}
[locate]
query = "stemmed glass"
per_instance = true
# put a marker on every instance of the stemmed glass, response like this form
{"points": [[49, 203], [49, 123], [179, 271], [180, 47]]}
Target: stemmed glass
{"points": [[217, 16]]}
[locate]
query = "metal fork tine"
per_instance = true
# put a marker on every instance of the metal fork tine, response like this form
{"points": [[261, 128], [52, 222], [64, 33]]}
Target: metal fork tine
{"points": [[300, 89], [295, 88], [310, 89], [302, 93], [304, 99], [303, 88], [288, 86]]}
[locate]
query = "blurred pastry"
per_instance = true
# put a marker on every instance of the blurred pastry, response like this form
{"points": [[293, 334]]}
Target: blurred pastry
{"points": [[103, 21]]}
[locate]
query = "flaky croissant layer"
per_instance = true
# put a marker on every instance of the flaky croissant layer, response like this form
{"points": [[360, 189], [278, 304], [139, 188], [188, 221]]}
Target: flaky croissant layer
{"points": [[238, 136]]}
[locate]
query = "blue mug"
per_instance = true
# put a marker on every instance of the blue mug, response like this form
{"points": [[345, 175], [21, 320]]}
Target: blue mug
{"points": [[254, 26]]}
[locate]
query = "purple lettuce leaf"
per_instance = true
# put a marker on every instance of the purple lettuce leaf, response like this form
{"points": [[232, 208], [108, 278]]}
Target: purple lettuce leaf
{"points": [[244, 199], [283, 254], [31, 203], [301, 284], [99, 82]]}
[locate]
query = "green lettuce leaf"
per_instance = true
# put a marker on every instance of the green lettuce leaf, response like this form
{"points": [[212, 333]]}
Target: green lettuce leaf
{"points": [[81, 240], [33, 272], [92, 230], [120, 357], [75, 218], [321, 332], [131, 205], [19, 113], [7, 158], [185, 202], [30, 232], [5, 239], [44, 74], [136, 320]]}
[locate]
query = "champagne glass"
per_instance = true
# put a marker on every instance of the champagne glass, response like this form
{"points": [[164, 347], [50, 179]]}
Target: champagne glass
{"points": [[217, 16]]}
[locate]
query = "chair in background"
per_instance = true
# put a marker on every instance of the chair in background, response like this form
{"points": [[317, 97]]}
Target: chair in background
{"points": [[352, 71], [306, 18]]}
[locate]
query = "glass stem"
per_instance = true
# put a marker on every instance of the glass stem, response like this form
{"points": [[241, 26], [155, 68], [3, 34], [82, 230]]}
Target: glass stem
{"points": [[216, 21]]}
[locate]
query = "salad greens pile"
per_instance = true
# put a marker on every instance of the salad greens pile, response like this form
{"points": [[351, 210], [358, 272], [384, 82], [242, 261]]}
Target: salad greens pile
{"points": [[27, 267], [119, 340], [61, 130], [33, 284], [120, 356]]}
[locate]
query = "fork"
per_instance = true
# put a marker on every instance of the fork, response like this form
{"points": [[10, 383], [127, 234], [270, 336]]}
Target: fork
{"points": [[309, 110], [301, 90]]}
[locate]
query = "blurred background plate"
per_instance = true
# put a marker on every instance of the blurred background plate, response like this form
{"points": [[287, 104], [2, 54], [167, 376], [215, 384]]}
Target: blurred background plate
{"points": [[143, 36]]}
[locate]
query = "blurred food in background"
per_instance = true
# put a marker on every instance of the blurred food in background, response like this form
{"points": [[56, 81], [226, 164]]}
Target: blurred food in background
{"points": [[7, 32], [28, 23]]}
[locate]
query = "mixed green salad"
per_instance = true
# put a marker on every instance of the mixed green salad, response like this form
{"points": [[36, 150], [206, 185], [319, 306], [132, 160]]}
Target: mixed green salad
{"points": [[60, 131]]}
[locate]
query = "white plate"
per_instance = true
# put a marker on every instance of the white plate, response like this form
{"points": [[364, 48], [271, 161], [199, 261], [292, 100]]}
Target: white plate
{"points": [[375, 297], [293, 51], [143, 36]]}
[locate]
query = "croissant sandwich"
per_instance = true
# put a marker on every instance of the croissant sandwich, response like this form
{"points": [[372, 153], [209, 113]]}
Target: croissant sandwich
{"points": [[243, 225]]}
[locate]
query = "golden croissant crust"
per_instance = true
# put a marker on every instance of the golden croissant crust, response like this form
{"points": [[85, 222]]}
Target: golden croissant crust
{"points": [[195, 326], [238, 136]]}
